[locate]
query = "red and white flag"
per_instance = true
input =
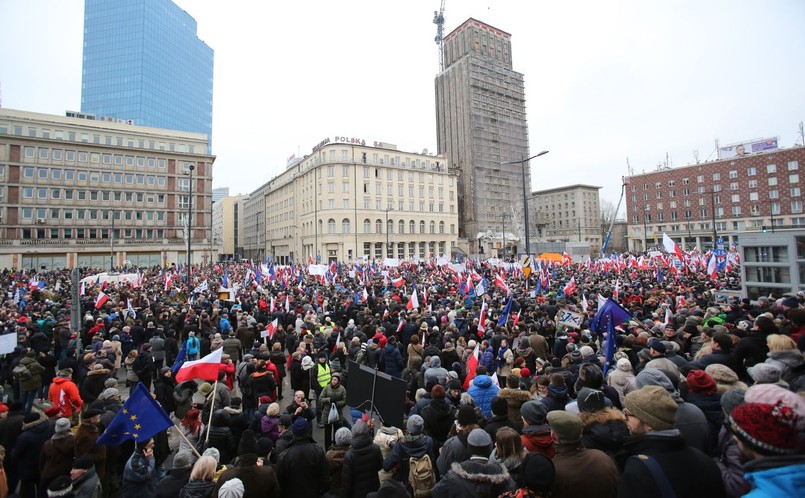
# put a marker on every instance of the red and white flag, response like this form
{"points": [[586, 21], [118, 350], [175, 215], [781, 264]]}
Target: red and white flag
{"points": [[711, 267], [206, 368], [413, 301], [398, 282], [516, 318], [337, 342], [671, 247], [101, 300], [571, 287], [472, 364], [482, 320], [270, 330], [500, 283]]}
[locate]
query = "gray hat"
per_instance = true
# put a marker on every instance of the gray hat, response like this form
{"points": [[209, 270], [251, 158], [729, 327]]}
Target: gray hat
{"points": [[415, 425], [307, 363], [567, 426], [213, 452], [183, 459], [764, 373], [62, 425], [590, 400], [233, 488], [654, 377], [479, 438], [534, 412], [343, 436], [108, 393]]}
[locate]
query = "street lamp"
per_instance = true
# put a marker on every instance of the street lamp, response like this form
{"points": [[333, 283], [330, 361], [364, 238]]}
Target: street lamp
{"points": [[190, 169], [387, 233], [645, 233], [525, 197], [112, 243]]}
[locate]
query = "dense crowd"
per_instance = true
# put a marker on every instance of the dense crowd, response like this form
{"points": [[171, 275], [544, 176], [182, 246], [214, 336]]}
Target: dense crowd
{"points": [[504, 395]]}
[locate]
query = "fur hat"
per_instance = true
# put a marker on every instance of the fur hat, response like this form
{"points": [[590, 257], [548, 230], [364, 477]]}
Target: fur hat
{"points": [[92, 412], [700, 381], [415, 425], [767, 429], [652, 405], [567, 426], [534, 412], [60, 486], [343, 436]]}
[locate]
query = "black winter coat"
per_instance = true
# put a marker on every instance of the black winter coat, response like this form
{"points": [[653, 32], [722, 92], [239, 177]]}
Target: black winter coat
{"points": [[170, 485], [710, 404], [302, 469], [750, 351], [361, 464], [221, 437], [197, 489], [163, 390], [438, 416], [391, 361], [29, 446]]}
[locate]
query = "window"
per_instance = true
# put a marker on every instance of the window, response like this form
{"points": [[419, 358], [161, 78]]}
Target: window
{"points": [[422, 226], [796, 207], [331, 226], [657, 185], [771, 168], [793, 178], [685, 191], [793, 165], [55, 174], [43, 173], [733, 174], [795, 192], [735, 198], [55, 193], [734, 186], [772, 180], [774, 194], [751, 171], [752, 183], [28, 193], [775, 207], [686, 181], [753, 196], [41, 193], [716, 177], [736, 210], [28, 172], [378, 226], [671, 183]]}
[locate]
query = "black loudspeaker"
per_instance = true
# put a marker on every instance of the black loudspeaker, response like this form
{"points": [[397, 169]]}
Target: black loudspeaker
{"points": [[389, 393]]}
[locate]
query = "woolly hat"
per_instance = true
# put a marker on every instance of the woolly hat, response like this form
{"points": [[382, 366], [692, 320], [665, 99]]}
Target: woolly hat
{"points": [[92, 412], [590, 400], [286, 420], [273, 410], [653, 406], [538, 473], [700, 381], [479, 438], [233, 488], [183, 459], [84, 462], [110, 382], [586, 351], [466, 415], [722, 374], [415, 425], [62, 426], [657, 345], [624, 364], [205, 388], [764, 373], [567, 426], [437, 392], [108, 393], [767, 429], [654, 377], [500, 407], [307, 363], [731, 399], [360, 428], [525, 372], [300, 426], [534, 412], [248, 444], [214, 453], [773, 394], [343, 436], [60, 486]]}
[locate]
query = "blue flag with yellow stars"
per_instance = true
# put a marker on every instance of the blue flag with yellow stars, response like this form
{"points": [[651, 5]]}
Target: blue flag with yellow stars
{"points": [[139, 419]]}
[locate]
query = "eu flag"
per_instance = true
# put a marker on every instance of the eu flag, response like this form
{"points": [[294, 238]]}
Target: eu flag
{"points": [[609, 315], [504, 316], [139, 419]]}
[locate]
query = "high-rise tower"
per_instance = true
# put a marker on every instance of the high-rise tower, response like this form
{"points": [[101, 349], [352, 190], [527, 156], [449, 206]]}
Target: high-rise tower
{"points": [[481, 123], [144, 62]]}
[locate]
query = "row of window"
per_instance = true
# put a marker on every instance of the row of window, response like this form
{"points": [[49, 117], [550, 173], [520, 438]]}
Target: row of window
{"points": [[95, 138], [72, 156], [378, 224], [751, 171], [91, 233], [44, 193], [754, 210], [414, 249], [83, 176], [369, 172], [716, 199], [772, 181], [29, 213]]}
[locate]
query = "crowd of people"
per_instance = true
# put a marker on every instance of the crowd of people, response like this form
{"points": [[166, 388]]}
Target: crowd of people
{"points": [[504, 396]]}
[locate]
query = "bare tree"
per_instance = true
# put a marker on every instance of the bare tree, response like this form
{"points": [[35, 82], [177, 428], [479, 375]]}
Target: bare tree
{"points": [[608, 215]]}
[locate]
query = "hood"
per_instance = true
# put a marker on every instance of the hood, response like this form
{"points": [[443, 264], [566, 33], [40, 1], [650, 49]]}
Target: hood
{"points": [[435, 362], [481, 472], [482, 381], [100, 371], [558, 392], [360, 442], [61, 380], [601, 416], [30, 425], [515, 395], [654, 377], [198, 489], [791, 358]]}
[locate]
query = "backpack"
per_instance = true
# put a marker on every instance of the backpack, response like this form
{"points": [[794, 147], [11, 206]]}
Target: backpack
{"points": [[22, 373], [421, 476]]}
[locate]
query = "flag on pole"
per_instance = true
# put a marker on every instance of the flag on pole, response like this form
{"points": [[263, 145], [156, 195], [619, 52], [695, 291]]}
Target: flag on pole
{"points": [[500, 283], [101, 300], [337, 342], [504, 316], [472, 364], [584, 305], [206, 368], [712, 267], [140, 418], [610, 315], [130, 308], [413, 301], [270, 330], [671, 247], [482, 320], [667, 316], [516, 317], [398, 282], [479, 289], [571, 287]]}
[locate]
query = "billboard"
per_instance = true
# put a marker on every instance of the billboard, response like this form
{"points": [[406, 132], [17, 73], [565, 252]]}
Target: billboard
{"points": [[746, 148]]}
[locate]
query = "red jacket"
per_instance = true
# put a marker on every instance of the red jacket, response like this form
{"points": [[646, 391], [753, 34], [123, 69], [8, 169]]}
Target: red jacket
{"points": [[229, 370], [70, 402]]}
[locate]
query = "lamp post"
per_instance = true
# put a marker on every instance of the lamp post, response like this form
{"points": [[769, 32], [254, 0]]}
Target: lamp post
{"points": [[503, 235], [713, 209], [645, 233], [522, 163], [689, 236], [112, 243], [388, 255], [190, 168]]}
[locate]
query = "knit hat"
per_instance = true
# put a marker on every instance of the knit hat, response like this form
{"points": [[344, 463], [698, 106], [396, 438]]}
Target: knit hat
{"points": [[360, 428], [92, 412], [538, 472], [108, 393], [415, 425], [567, 426], [233, 488], [590, 400], [60, 486], [273, 410], [437, 392], [657, 345], [343, 436], [307, 363], [653, 406], [300, 426], [183, 459], [700, 381], [214, 453], [731, 399], [84, 462], [286, 420], [205, 388], [654, 377], [586, 351], [534, 412], [62, 426], [773, 394], [479, 438], [466, 415], [65, 372], [110, 382], [248, 444], [767, 429], [764, 373], [500, 407], [525, 372], [624, 364]]}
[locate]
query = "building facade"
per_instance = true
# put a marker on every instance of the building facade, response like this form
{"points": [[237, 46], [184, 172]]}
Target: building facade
{"points": [[219, 193], [481, 126], [349, 200], [569, 214], [225, 233], [78, 192], [143, 62], [699, 203], [773, 263]]}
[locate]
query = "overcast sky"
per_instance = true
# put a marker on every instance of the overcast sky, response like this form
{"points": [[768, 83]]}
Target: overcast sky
{"points": [[605, 80]]}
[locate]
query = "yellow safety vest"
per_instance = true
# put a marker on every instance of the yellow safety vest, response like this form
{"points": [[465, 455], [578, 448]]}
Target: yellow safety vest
{"points": [[323, 377]]}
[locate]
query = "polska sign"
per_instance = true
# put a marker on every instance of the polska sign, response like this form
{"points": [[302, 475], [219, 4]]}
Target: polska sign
{"points": [[345, 140]]}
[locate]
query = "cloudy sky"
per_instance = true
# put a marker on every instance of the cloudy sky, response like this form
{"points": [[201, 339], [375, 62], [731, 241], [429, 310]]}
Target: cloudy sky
{"points": [[605, 80]]}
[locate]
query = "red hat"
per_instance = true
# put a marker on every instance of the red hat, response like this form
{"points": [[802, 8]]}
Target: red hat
{"points": [[767, 429], [382, 341], [700, 381], [3, 408], [264, 399], [437, 392], [525, 372]]}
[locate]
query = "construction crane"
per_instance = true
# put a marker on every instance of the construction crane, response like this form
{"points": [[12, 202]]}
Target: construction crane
{"points": [[438, 20]]}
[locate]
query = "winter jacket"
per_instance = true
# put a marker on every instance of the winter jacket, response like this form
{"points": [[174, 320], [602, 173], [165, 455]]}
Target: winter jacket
{"points": [[487, 360], [791, 363], [477, 477], [93, 384], [710, 405], [197, 489], [385, 439], [233, 348], [731, 463], [600, 473], [453, 451], [391, 361], [163, 390], [556, 399], [537, 439], [269, 426], [775, 476], [302, 469], [604, 430], [221, 437], [89, 485], [438, 416], [85, 442], [258, 481], [29, 445], [57, 456], [623, 380], [750, 351], [515, 399], [436, 374], [330, 395], [34, 382], [496, 423], [482, 391], [676, 459], [139, 476], [409, 446], [170, 485], [362, 462]]}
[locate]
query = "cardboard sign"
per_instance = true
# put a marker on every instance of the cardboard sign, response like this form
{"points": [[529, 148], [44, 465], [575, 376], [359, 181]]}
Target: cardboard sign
{"points": [[570, 319]]}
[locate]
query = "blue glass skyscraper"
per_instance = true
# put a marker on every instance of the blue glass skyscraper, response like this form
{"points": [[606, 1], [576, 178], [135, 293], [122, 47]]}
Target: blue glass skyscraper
{"points": [[143, 61]]}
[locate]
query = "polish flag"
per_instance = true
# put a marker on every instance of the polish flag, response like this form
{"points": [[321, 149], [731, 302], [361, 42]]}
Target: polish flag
{"points": [[472, 364], [482, 320], [271, 328], [711, 267], [516, 318], [287, 304], [500, 283], [101, 300], [205, 368], [671, 247], [337, 342], [413, 301], [571, 287], [398, 282]]}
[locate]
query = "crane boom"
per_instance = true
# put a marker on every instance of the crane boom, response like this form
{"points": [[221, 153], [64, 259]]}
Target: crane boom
{"points": [[438, 20]]}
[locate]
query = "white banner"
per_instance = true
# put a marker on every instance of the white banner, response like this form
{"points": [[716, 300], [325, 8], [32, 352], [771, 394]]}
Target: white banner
{"points": [[8, 342], [318, 270], [570, 319]]}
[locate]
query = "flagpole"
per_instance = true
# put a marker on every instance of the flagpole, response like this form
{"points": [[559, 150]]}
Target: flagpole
{"points": [[212, 408], [192, 447]]}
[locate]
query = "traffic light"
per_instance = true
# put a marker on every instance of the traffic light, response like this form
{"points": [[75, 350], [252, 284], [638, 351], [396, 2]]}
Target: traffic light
{"points": [[763, 228]]}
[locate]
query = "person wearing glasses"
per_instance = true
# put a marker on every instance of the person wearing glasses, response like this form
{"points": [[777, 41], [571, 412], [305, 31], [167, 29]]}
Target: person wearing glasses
{"points": [[140, 476]]}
